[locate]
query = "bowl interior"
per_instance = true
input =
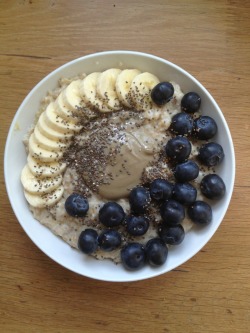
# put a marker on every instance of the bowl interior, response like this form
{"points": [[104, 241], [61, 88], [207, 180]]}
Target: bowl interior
{"points": [[15, 159]]}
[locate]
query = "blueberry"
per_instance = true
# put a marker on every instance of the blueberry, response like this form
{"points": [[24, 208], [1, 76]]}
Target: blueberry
{"points": [[182, 124], [212, 186], [190, 102], [184, 193], [172, 235], [178, 148], [133, 256], [109, 240], [204, 128], [111, 214], [137, 225], [186, 171], [211, 154], [200, 212], [162, 93], [139, 199], [76, 205], [156, 252], [172, 212], [160, 189], [88, 241]]}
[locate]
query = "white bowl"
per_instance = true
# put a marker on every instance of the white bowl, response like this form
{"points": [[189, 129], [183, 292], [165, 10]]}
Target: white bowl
{"points": [[15, 159]]}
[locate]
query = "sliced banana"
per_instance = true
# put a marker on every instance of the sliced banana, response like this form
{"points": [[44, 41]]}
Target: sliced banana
{"points": [[45, 200], [89, 94], [106, 88], [47, 143], [140, 90], [42, 154], [63, 111], [49, 132], [47, 169], [34, 184], [58, 123], [72, 98], [123, 83]]}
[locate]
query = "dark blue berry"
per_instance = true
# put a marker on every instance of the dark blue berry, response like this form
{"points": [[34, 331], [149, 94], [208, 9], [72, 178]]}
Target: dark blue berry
{"points": [[137, 225], [139, 199], [156, 252], [160, 189], [184, 193], [76, 205], [111, 214], [162, 93], [200, 212], [204, 128], [172, 235], [211, 154], [182, 124], [133, 256], [190, 102], [212, 186], [172, 212], [88, 241], [178, 148], [184, 172], [109, 240]]}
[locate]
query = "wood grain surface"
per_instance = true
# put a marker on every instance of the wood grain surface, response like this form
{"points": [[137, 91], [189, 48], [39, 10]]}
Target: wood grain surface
{"points": [[210, 292]]}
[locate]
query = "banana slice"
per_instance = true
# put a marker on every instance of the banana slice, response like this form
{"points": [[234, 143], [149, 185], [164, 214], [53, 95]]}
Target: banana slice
{"points": [[89, 94], [72, 98], [140, 90], [49, 132], [123, 83], [48, 144], [42, 154], [33, 184], [45, 200], [43, 170], [106, 88], [64, 111], [57, 123]]}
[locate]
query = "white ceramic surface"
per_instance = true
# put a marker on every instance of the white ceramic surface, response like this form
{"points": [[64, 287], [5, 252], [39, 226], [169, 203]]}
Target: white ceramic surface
{"points": [[15, 159]]}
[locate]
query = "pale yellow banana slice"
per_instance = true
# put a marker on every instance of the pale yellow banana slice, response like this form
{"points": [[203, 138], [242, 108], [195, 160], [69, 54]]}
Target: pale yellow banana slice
{"points": [[48, 144], [45, 200], [65, 112], [47, 169], [58, 123], [89, 94], [106, 88], [72, 98], [36, 185], [42, 154], [140, 90], [50, 133], [123, 83]]}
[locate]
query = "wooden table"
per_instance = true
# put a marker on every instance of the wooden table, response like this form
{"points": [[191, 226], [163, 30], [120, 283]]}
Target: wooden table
{"points": [[209, 293]]}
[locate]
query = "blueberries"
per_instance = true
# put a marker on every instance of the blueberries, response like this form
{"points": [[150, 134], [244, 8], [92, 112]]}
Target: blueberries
{"points": [[111, 214], [178, 148], [88, 241], [139, 199], [137, 225], [172, 212], [184, 172], [200, 212], [133, 256], [184, 193], [204, 128], [172, 235], [211, 154], [156, 252], [160, 189], [162, 93], [109, 240], [182, 124], [212, 186], [190, 102], [76, 205]]}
